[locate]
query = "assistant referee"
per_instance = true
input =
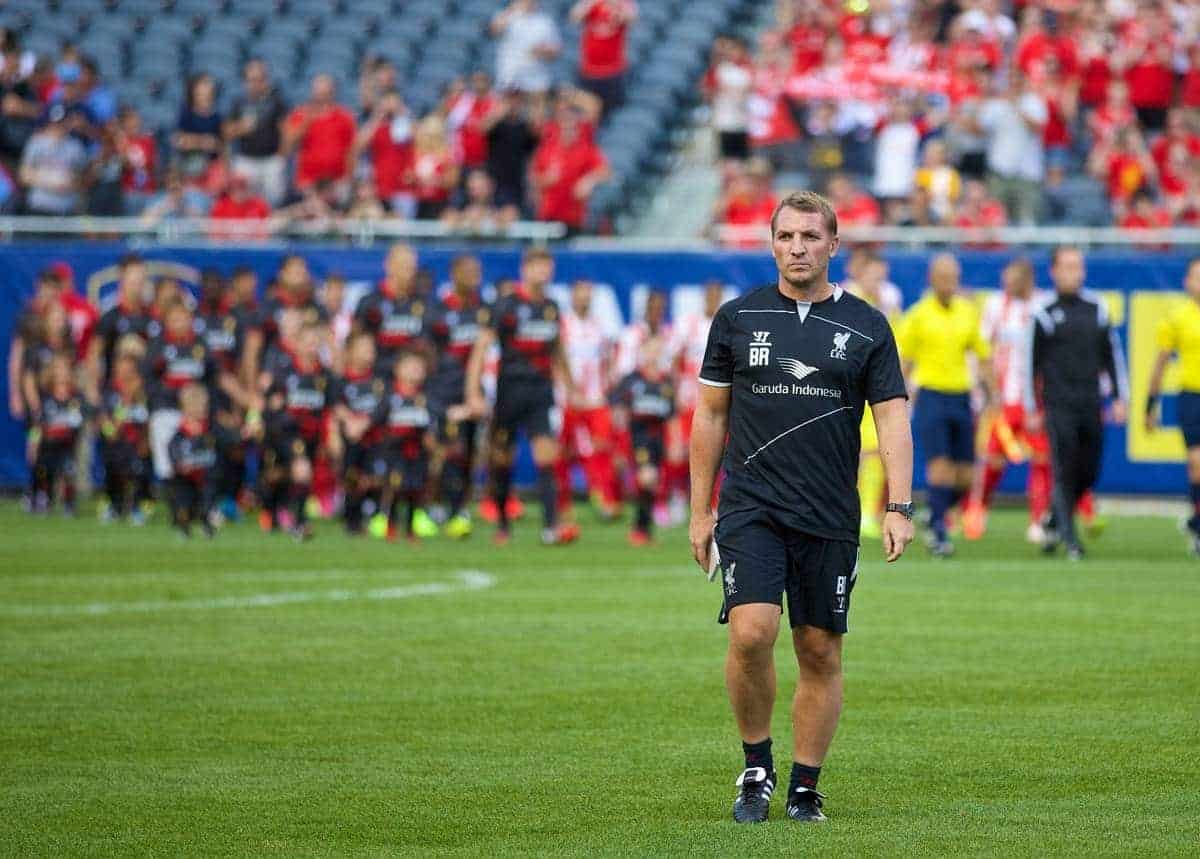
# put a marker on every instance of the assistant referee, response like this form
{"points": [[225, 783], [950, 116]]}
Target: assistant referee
{"points": [[787, 373]]}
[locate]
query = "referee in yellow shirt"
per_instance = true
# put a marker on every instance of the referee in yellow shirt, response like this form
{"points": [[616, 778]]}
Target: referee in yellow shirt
{"points": [[936, 337], [1179, 335]]}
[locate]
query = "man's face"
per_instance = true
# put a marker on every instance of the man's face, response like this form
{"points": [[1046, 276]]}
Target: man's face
{"points": [[468, 274], [133, 283], [400, 267], [1192, 282], [255, 78], [802, 246], [322, 89], [362, 352], [656, 308], [1068, 271], [537, 272], [294, 275], [179, 323], [943, 277], [244, 287], [1017, 282], [581, 297]]}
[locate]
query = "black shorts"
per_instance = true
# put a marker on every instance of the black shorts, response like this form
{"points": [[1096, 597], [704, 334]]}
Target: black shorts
{"points": [[944, 426], [734, 145], [284, 449], [366, 459], [647, 449], [760, 561], [610, 90], [526, 406], [1188, 407], [406, 474]]}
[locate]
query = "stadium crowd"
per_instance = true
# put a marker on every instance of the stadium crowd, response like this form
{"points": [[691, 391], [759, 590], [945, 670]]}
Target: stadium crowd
{"points": [[513, 144], [971, 114]]}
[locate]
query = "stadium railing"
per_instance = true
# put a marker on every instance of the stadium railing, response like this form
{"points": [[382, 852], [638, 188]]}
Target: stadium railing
{"points": [[362, 231], [365, 231]]}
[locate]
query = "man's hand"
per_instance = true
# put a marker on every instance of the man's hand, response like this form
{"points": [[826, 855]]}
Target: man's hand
{"points": [[1151, 420], [897, 534], [1119, 413], [477, 405], [700, 533]]}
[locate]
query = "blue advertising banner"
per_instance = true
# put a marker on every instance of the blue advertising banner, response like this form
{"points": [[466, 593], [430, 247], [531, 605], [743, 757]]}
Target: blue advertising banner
{"points": [[1139, 287]]}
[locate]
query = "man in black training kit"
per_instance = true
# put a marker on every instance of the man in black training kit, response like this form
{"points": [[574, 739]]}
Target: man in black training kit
{"points": [[788, 370], [1073, 346]]}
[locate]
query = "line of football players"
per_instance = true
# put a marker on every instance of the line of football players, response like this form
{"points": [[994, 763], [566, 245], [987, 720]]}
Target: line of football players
{"points": [[386, 409]]}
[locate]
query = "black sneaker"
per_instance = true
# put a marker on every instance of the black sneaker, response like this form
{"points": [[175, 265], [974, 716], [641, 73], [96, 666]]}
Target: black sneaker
{"points": [[804, 804], [1051, 539], [1075, 552], [753, 803]]}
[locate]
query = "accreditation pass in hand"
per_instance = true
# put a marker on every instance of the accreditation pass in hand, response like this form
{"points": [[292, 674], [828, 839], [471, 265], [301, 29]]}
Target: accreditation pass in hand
{"points": [[714, 558]]}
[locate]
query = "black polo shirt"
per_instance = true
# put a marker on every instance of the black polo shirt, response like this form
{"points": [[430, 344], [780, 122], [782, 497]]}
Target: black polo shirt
{"points": [[801, 374]]}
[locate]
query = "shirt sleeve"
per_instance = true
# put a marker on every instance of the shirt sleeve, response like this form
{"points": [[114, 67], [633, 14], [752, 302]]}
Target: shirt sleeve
{"points": [[980, 345], [884, 380], [717, 368], [1168, 336]]}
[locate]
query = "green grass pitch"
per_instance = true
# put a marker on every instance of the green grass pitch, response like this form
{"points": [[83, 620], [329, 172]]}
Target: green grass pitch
{"points": [[253, 697]]}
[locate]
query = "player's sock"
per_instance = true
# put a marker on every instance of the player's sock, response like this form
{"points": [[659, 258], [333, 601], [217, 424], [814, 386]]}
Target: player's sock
{"points": [[1194, 494], [298, 503], [501, 482], [940, 500], [601, 476], [991, 479], [1039, 489], [410, 515], [562, 477], [352, 510], [871, 484], [548, 495], [759, 755], [803, 776], [454, 485], [645, 512]]}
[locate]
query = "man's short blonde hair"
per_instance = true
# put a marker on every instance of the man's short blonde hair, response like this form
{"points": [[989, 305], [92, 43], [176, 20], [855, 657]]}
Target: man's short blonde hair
{"points": [[808, 201]]}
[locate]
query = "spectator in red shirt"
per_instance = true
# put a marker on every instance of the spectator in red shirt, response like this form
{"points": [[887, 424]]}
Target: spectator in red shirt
{"points": [[321, 133], [238, 204], [1172, 152], [1147, 67], [566, 169], [1189, 94], [1126, 167], [139, 153], [466, 109], [387, 138], [604, 26], [748, 203], [82, 315], [1143, 214], [853, 206], [1037, 46], [435, 172], [979, 210], [1061, 95], [1115, 113]]}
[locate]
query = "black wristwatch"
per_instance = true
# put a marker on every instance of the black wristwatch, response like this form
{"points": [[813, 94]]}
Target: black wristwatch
{"points": [[905, 510]]}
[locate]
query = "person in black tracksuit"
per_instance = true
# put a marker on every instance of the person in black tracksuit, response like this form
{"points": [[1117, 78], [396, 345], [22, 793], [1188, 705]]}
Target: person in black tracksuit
{"points": [[1074, 347]]}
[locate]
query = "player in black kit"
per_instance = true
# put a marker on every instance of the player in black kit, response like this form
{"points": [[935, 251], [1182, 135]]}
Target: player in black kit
{"points": [[125, 442], [61, 415], [644, 401], [454, 328], [295, 411], [787, 373], [193, 454], [360, 393], [405, 419], [527, 327], [395, 314]]}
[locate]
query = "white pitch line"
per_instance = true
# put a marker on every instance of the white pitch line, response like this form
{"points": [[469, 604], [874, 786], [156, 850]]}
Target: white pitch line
{"points": [[466, 580]]}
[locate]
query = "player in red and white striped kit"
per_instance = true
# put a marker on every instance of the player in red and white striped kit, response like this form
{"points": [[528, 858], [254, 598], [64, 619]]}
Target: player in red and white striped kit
{"points": [[691, 337], [587, 430], [1014, 437]]}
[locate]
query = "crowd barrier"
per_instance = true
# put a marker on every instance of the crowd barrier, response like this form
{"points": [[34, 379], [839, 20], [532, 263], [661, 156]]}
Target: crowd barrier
{"points": [[1139, 286]]}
